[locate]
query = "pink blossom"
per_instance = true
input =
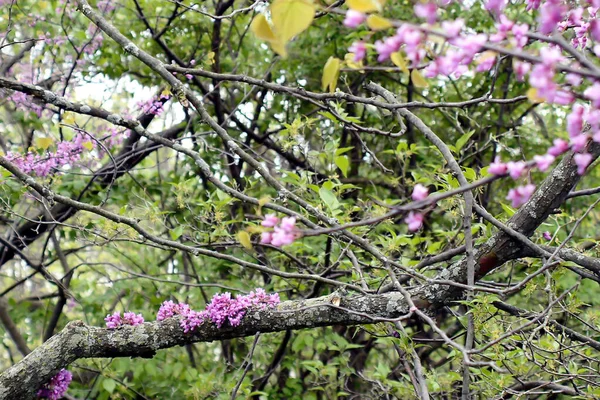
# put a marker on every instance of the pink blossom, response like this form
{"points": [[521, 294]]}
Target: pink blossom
{"points": [[547, 235], [593, 93], [582, 161], [502, 28], [573, 79], [579, 142], [520, 35], [281, 237], [560, 146], [453, 28], [516, 168], [133, 319], [563, 98], [420, 192], [595, 29], [551, 13], [470, 45], [427, 11], [270, 220], [520, 195], [497, 167], [485, 63], [189, 76], [223, 308], [550, 56], [58, 385], [414, 221], [521, 69], [495, 6], [533, 4], [354, 18], [544, 162], [113, 321], [359, 49], [575, 120], [288, 224], [266, 237]]}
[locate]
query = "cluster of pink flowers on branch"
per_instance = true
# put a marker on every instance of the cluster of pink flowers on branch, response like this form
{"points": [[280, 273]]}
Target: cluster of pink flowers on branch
{"points": [[222, 308], [414, 220], [67, 152], [284, 232], [57, 387], [537, 57], [113, 321]]}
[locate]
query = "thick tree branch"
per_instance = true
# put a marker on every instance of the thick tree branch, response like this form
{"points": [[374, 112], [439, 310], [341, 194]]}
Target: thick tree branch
{"points": [[78, 341]]}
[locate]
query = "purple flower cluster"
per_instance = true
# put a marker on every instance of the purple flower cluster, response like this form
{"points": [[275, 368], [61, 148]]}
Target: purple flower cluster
{"points": [[57, 387], [283, 234], [43, 165], [153, 105], [222, 308], [129, 318]]}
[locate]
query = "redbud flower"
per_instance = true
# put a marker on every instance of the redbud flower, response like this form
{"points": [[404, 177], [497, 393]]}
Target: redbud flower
{"points": [[593, 93], [582, 160], [520, 195], [579, 142], [420, 192], [266, 238], [57, 387], [453, 28], [521, 69], [270, 220], [544, 162], [189, 76], [547, 235], [113, 321], [132, 319], [359, 49], [282, 237], [288, 224], [516, 169], [575, 120], [497, 167], [427, 11], [414, 221], [354, 18], [560, 146]]}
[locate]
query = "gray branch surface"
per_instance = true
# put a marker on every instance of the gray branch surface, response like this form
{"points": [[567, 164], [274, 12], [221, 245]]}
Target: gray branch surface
{"points": [[77, 340]]}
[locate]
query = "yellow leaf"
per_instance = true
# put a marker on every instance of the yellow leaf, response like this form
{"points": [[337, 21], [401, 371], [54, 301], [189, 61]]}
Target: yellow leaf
{"points": [[166, 93], [349, 60], [532, 95], [377, 23], [263, 200], [417, 79], [43, 142], [331, 71], [210, 57], [244, 239], [399, 61], [261, 28], [290, 17], [279, 48], [88, 145], [365, 6], [68, 118]]}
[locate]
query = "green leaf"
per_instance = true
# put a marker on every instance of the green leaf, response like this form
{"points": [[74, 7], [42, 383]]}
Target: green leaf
{"points": [[463, 140], [109, 385], [329, 198], [342, 163]]}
